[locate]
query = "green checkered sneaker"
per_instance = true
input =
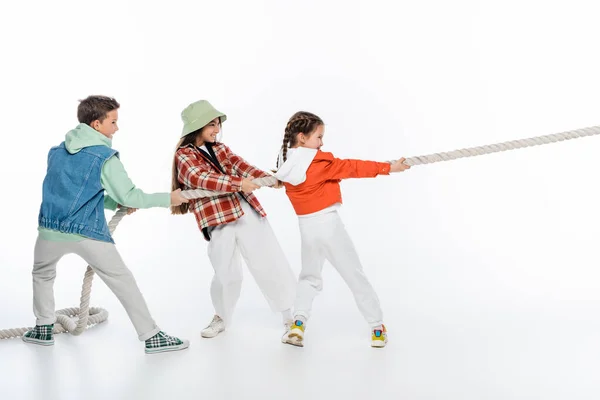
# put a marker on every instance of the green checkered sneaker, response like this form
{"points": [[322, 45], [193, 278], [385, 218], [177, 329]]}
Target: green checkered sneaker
{"points": [[161, 342], [41, 334]]}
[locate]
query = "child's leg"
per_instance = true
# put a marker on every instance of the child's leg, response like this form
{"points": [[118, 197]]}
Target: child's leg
{"points": [[224, 256], [108, 264], [340, 251], [310, 282], [266, 261], [46, 256]]}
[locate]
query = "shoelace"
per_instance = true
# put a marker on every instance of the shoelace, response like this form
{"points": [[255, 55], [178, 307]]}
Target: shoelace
{"points": [[169, 339], [214, 322]]}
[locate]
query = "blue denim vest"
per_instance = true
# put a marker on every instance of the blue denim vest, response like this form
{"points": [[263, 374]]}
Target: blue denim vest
{"points": [[72, 194]]}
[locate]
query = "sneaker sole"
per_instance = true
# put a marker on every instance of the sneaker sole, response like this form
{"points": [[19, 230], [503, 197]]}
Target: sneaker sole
{"points": [[183, 346], [295, 340], [284, 338], [378, 344], [209, 336], [39, 342]]}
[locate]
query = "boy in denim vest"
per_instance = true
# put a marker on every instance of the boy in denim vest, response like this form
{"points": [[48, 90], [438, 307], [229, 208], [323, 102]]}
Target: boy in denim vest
{"points": [[71, 220]]}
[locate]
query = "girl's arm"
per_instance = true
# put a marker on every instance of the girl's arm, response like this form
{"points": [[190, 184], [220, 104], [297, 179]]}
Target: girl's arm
{"points": [[192, 173], [242, 167], [336, 168]]}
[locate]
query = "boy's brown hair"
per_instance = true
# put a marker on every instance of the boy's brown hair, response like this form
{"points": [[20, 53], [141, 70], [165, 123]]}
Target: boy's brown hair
{"points": [[95, 108]]}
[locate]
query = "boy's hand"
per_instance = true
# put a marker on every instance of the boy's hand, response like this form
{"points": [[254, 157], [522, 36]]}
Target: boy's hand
{"points": [[177, 198], [248, 186], [129, 210], [399, 166]]}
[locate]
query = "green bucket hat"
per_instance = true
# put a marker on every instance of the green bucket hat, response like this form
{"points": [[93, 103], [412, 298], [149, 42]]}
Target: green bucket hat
{"points": [[197, 115]]}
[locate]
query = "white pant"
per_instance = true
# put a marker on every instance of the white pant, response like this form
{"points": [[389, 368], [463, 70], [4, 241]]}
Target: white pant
{"points": [[251, 237], [324, 237], [106, 262]]}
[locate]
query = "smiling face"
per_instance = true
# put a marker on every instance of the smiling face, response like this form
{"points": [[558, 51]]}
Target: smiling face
{"points": [[209, 133], [313, 140], [304, 129], [108, 126]]}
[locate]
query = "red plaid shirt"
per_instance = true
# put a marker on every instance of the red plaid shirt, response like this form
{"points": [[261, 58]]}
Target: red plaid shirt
{"points": [[195, 171]]}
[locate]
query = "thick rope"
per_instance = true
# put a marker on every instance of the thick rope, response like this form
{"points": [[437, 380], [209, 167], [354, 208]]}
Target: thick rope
{"points": [[85, 316], [495, 148], [198, 193]]}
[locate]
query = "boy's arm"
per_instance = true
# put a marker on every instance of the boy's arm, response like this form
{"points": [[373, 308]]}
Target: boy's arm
{"points": [[192, 174], [122, 191], [110, 203], [242, 167], [344, 169]]}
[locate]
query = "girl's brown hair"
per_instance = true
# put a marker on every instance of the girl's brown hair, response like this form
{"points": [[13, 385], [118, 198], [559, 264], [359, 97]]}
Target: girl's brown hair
{"points": [[301, 122], [175, 184]]}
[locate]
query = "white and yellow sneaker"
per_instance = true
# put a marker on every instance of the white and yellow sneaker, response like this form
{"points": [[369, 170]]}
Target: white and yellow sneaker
{"points": [[379, 337], [295, 335]]}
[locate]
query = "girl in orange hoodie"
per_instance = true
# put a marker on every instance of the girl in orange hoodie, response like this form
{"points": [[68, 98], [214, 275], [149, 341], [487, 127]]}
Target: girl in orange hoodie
{"points": [[312, 182]]}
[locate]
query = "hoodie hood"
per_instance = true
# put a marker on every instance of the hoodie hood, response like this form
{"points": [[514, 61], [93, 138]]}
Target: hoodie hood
{"points": [[85, 136], [293, 170]]}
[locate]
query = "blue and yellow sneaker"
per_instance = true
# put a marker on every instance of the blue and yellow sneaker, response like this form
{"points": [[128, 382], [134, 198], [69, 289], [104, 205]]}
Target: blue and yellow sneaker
{"points": [[41, 334], [295, 336], [379, 337]]}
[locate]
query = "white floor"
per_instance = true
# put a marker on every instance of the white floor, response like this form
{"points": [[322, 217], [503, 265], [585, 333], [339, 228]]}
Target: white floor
{"points": [[483, 354]]}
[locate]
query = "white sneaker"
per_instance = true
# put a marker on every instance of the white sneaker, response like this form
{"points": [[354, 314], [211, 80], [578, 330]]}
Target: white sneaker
{"points": [[215, 327]]}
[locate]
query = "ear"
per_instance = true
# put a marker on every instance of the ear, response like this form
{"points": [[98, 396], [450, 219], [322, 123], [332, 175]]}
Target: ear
{"points": [[301, 137], [95, 124]]}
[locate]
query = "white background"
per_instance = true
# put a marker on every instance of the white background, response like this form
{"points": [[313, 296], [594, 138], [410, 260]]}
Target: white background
{"points": [[487, 267]]}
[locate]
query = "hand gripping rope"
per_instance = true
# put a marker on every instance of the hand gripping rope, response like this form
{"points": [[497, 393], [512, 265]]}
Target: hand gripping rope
{"points": [[88, 316]]}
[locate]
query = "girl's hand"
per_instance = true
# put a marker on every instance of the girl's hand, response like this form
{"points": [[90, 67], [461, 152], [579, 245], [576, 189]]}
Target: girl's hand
{"points": [[279, 184], [248, 186], [399, 166]]}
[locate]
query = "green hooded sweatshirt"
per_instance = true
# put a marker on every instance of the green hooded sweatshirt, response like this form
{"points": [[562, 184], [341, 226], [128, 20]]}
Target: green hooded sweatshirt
{"points": [[119, 188]]}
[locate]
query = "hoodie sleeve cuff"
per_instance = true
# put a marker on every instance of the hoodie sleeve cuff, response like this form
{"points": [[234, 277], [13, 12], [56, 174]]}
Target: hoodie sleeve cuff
{"points": [[236, 183], [384, 168]]}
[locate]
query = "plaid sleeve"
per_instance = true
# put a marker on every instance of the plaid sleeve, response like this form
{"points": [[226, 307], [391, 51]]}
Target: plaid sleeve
{"points": [[243, 168], [194, 174], [337, 168]]}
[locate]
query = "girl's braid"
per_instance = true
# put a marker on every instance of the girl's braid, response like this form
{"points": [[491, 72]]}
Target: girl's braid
{"points": [[302, 121]]}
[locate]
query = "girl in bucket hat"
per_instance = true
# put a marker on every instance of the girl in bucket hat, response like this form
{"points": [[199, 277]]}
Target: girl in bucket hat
{"points": [[234, 224]]}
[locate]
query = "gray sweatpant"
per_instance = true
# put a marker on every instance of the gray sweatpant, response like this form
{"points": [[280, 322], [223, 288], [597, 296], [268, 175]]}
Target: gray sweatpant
{"points": [[106, 263]]}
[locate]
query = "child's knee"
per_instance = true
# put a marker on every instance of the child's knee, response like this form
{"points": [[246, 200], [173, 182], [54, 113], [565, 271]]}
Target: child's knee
{"points": [[229, 277]]}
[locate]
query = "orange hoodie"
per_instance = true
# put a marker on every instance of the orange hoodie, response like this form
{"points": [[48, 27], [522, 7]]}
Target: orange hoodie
{"points": [[312, 177]]}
